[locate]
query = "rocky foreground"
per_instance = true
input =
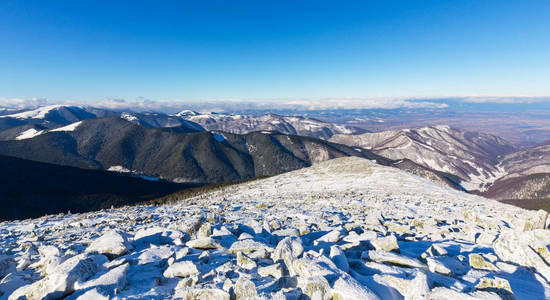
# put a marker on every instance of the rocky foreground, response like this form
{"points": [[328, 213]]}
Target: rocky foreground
{"points": [[343, 229]]}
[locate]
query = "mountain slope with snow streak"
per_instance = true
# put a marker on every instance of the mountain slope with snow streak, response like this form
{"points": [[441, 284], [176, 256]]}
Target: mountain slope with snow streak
{"points": [[471, 156], [242, 124], [342, 229]]}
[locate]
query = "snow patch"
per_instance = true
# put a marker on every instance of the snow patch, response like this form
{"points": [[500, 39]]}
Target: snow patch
{"points": [[128, 117], [29, 134], [70, 127]]}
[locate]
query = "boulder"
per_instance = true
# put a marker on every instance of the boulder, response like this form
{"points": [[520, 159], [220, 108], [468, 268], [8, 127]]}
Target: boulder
{"points": [[181, 269], [61, 281], [245, 289], [392, 258], [388, 243], [339, 258], [347, 288], [111, 244], [275, 270], [446, 265], [202, 294], [478, 262], [203, 243]]}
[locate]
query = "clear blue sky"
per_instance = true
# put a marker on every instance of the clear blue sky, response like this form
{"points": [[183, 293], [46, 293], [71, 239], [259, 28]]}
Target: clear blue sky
{"points": [[88, 50]]}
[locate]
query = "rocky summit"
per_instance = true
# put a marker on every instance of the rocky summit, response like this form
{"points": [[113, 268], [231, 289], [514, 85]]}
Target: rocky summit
{"points": [[342, 229]]}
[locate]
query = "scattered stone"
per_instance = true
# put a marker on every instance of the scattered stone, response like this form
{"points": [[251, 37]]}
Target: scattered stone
{"points": [[347, 288], [446, 265], [181, 269], [392, 258], [245, 289], [111, 244], [275, 270], [202, 294], [203, 243], [61, 281], [331, 237], [246, 246], [317, 288], [434, 250], [204, 231], [388, 243], [245, 262], [498, 285], [339, 258], [478, 262]]}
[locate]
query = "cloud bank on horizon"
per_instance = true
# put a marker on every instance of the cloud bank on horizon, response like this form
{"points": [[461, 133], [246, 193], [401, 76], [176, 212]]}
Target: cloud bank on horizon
{"points": [[229, 105]]}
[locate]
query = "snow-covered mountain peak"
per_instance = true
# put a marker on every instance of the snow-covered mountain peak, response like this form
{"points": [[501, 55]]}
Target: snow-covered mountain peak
{"points": [[186, 113], [37, 113]]}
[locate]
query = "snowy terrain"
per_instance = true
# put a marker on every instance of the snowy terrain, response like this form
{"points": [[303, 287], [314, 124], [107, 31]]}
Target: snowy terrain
{"points": [[471, 156], [343, 229], [243, 124]]}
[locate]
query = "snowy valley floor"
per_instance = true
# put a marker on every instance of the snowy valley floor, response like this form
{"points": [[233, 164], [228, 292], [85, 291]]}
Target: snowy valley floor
{"points": [[343, 229]]}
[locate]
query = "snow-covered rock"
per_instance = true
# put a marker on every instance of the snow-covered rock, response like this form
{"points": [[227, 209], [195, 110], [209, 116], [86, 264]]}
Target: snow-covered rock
{"points": [[343, 229], [110, 244]]}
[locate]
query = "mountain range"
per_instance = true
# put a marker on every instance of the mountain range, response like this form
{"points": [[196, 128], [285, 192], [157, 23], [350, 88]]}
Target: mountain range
{"points": [[193, 147]]}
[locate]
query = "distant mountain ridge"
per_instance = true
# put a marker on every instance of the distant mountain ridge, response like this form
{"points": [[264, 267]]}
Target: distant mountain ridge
{"points": [[242, 124], [473, 157], [200, 157]]}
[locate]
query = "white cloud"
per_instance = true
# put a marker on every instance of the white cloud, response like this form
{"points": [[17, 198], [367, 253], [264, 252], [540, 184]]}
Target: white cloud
{"points": [[21, 103], [275, 104], [505, 99], [229, 105]]}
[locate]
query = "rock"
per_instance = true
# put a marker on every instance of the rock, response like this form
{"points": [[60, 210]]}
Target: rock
{"points": [[478, 262], [244, 262], [61, 281], [202, 294], [97, 293], [245, 236], [311, 267], [13, 281], [245, 289], [536, 220], [493, 284], [388, 243], [446, 265], [50, 258], [203, 243], [288, 250], [286, 232], [339, 258], [331, 237], [204, 231], [247, 246], [111, 244], [486, 238], [181, 253], [443, 293], [392, 258], [513, 247], [156, 255], [275, 270], [317, 288], [7, 265], [114, 279], [158, 236], [374, 218], [434, 250], [411, 289], [347, 288], [181, 269], [187, 282]]}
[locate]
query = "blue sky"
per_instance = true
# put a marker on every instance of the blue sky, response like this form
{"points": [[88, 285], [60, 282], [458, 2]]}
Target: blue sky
{"points": [[161, 50]]}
